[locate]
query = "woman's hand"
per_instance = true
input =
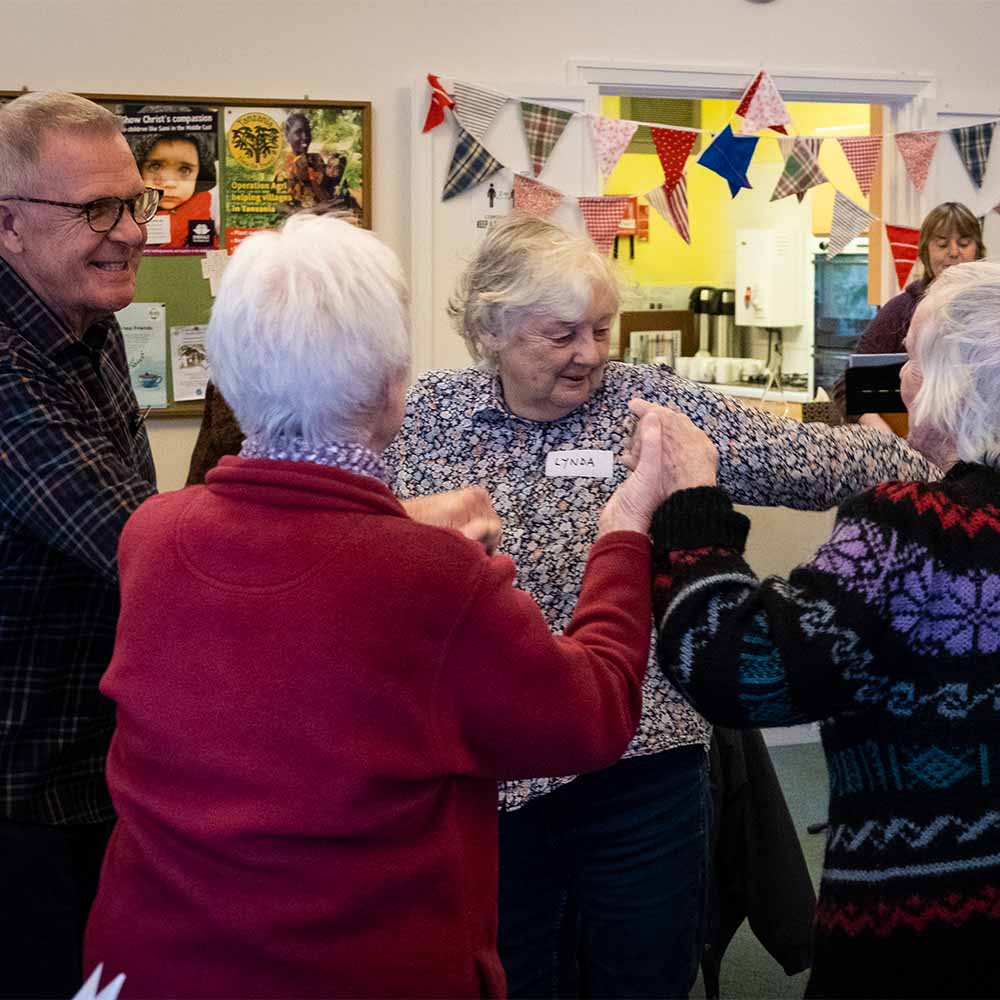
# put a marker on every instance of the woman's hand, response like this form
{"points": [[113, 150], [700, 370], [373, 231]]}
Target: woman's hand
{"points": [[468, 510]]}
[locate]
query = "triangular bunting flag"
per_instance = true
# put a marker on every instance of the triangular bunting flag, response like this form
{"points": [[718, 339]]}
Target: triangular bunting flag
{"points": [[602, 214], [762, 107], [786, 143], [802, 170], [973, 144], [611, 139], [863, 153], [672, 204], [673, 146], [849, 220], [903, 244], [535, 198], [476, 107], [471, 163], [542, 128], [917, 150], [440, 99], [729, 156]]}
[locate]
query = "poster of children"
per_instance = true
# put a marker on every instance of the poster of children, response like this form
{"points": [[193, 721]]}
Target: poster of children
{"points": [[279, 160], [176, 151]]}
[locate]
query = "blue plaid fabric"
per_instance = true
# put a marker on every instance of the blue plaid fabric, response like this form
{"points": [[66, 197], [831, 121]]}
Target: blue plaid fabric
{"points": [[74, 464], [973, 144], [471, 164]]}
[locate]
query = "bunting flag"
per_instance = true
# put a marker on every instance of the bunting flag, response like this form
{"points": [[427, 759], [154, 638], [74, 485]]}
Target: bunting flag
{"points": [[471, 164], [802, 170], [729, 156], [673, 146], [917, 151], [535, 198], [611, 139], [863, 154], [903, 244], [440, 99], [849, 220], [602, 215], [973, 144], [761, 106], [785, 144], [476, 107], [672, 204], [542, 128]]}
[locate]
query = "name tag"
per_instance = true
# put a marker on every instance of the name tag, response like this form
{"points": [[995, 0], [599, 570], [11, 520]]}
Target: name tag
{"points": [[580, 462]]}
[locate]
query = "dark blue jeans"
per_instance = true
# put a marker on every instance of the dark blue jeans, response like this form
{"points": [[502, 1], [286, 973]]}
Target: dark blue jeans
{"points": [[613, 867]]}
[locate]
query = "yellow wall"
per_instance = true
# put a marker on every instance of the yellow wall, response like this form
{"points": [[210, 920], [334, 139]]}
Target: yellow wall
{"points": [[666, 259]]}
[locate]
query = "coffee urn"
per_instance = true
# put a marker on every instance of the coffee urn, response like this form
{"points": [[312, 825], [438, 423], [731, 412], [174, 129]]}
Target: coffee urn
{"points": [[699, 304], [722, 310]]}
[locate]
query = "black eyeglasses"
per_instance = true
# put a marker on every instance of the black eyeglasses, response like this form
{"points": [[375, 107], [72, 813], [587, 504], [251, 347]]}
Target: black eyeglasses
{"points": [[103, 214]]}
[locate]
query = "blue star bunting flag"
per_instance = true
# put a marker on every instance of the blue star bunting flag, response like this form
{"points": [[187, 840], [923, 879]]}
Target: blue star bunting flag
{"points": [[729, 156], [471, 164]]}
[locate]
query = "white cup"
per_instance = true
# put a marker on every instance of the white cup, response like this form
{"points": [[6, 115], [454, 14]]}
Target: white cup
{"points": [[727, 371], [703, 369], [683, 367], [750, 367]]}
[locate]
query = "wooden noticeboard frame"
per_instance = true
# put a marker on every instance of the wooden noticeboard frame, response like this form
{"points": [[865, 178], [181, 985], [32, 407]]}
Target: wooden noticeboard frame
{"points": [[333, 164]]}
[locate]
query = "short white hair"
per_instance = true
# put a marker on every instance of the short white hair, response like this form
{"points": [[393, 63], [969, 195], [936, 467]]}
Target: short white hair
{"points": [[309, 328], [28, 119], [527, 269], [957, 352]]}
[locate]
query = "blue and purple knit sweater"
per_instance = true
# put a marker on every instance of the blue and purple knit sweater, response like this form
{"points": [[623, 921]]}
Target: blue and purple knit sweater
{"points": [[891, 637]]}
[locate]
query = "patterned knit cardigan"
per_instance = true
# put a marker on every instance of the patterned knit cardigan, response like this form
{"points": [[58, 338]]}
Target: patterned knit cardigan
{"points": [[891, 637]]}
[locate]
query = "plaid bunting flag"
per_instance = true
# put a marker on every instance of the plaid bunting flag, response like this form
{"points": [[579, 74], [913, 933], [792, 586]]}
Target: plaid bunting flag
{"points": [[672, 204], [903, 244], [542, 128], [476, 107], [802, 170], [761, 106], [863, 153], [729, 156], [440, 99], [849, 220], [471, 163], [917, 150], [973, 144], [535, 198], [611, 138], [673, 146], [602, 214]]}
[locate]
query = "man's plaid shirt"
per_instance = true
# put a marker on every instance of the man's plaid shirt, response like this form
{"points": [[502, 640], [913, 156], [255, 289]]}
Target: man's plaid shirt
{"points": [[74, 464]]}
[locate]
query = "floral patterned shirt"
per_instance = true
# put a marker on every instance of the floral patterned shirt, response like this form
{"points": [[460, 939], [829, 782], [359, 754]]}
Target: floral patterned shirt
{"points": [[459, 432]]}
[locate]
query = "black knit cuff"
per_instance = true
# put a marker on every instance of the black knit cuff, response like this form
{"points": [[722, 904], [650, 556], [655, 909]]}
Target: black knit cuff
{"points": [[698, 518]]}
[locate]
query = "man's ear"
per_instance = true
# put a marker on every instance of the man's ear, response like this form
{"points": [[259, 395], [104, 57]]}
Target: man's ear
{"points": [[10, 230]]}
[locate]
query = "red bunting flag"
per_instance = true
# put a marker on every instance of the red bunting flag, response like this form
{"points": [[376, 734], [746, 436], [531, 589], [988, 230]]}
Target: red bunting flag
{"points": [[903, 244], [440, 99], [863, 153], [535, 198], [602, 214], [762, 107], [673, 206], [673, 146], [917, 150]]}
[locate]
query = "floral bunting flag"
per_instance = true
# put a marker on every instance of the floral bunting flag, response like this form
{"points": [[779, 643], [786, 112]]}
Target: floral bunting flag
{"points": [[673, 146], [973, 144], [917, 150], [471, 164], [729, 156], [611, 139], [476, 107], [542, 128], [849, 220], [602, 215], [440, 99], [672, 204], [863, 153], [802, 170], [903, 244], [762, 107], [535, 198]]}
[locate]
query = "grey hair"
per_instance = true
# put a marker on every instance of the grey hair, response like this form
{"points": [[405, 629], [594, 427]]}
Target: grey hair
{"points": [[25, 122], [957, 352], [526, 269], [309, 327]]}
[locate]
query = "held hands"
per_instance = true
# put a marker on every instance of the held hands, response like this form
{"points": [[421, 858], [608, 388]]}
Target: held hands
{"points": [[468, 510]]}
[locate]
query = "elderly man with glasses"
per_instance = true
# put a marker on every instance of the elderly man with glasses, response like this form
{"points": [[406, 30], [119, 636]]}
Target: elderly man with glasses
{"points": [[74, 464]]}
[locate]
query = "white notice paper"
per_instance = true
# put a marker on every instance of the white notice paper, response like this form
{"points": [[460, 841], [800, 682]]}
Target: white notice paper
{"points": [[188, 362], [581, 462], [144, 327]]}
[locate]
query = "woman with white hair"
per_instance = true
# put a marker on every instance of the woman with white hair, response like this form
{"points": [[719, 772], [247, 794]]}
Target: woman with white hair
{"points": [[890, 636], [540, 422], [316, 694]]}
